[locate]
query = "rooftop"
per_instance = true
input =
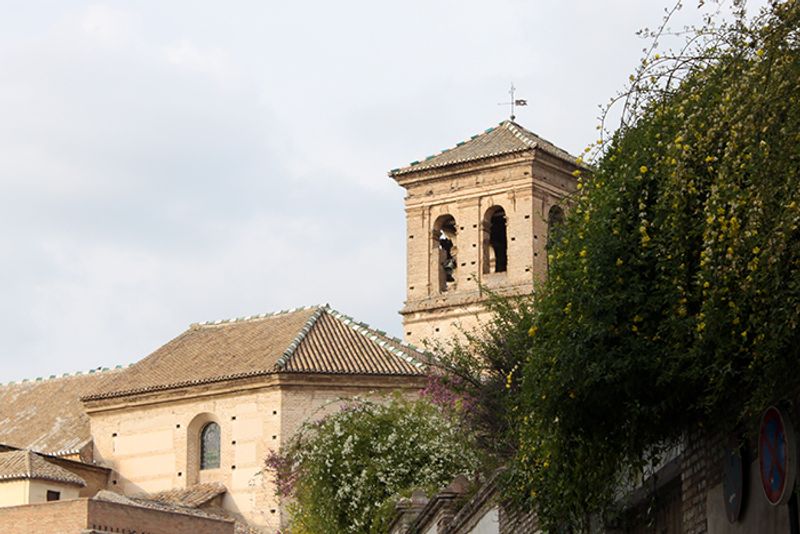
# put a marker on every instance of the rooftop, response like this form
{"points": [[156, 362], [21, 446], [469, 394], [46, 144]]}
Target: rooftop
{"points": [[315, 339], [22, 464], [506, 138], [46, 414]]}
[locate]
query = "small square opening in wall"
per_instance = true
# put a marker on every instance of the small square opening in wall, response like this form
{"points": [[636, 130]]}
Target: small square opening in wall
{"points": [[527, 216], [408, 333], [178, 425], [411, 237], [233, 418], [513, 239], [180, 474], [437, 328], [274, 412], [114, 482], [53, 495], [233, 467], [274, 437], [114, 435], [272, 510], [233, 442], [474, 225]]}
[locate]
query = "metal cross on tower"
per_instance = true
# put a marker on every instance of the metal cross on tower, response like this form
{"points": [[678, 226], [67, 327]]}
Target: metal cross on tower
{"points": [[514, 102]]}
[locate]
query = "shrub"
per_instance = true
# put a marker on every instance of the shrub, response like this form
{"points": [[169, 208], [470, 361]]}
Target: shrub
{"points": [[345, 472]]}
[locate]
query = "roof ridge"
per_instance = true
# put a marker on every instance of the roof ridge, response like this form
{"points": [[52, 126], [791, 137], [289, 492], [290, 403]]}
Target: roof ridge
{"points": [[364, 329], [30, 471], [259, 316], [93, 370], [445, 150], [520, 133], [290, 350], [523, 140]]}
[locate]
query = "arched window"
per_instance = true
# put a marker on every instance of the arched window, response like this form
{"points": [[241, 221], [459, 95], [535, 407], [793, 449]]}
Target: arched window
{"points": [[444, 236], [495, 249], [209, 446]]}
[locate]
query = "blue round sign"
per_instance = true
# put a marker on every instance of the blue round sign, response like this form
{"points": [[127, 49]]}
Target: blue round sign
{"points": [[776, 456]]}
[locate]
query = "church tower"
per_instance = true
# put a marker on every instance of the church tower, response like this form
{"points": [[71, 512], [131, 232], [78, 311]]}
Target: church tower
{"points": [[478, 216]]}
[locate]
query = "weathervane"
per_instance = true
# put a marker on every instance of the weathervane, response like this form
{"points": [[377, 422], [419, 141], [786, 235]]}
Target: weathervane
{"points": [[514, 102]]}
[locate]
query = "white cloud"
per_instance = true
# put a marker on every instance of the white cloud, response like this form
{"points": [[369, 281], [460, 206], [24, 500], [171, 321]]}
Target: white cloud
{"points": [[170, 162]]}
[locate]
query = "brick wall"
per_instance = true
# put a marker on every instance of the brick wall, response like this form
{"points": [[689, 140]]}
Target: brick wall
{"points": [[73, 517], [701, 470], [122, 518], [64, 517]]}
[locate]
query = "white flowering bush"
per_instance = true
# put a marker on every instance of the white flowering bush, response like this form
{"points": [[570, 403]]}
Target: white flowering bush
{"points": [[345, 472]]}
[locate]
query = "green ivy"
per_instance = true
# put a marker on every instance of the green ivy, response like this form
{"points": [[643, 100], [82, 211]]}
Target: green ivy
{"points": [[674, 291]]}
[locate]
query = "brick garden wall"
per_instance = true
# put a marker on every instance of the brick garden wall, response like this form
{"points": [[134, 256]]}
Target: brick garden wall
{"points": [[73, 517]]}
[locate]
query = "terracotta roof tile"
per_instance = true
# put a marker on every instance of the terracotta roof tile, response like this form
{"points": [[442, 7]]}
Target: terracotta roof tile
{"points": [[312, 340], [47, 415], [193, 497], [23, 464], [507, 138], [336, 344]]}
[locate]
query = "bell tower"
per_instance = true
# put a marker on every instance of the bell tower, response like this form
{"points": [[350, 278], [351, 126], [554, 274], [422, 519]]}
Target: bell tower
{"points": [[478, 217]]}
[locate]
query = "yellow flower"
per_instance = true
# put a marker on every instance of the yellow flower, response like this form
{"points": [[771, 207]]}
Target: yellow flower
{"points": [[760, 52], [756, 250], [643, 169], [619, 262], [533, 330], [701, 327], [635, 328], [576, 173], [583, 253]]}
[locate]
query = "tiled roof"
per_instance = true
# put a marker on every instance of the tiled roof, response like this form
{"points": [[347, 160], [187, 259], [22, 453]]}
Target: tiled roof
{"points": [[338, 344], [506, 138], [46, 415], [23, 464], [305, 340], [193, 497]]}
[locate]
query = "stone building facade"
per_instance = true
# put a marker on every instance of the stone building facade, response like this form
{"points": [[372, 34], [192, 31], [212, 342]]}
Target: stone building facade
{"points": [[187, 429], [478, 218]]}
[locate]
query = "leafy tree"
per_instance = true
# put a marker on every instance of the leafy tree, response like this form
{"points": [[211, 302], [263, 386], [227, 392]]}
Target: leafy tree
{"points": [[478, 373], [346, 471], [674, 292]]}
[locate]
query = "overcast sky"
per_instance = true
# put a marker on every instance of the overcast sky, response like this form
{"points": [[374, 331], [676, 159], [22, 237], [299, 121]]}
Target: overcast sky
{"points": [[163, 163]]}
